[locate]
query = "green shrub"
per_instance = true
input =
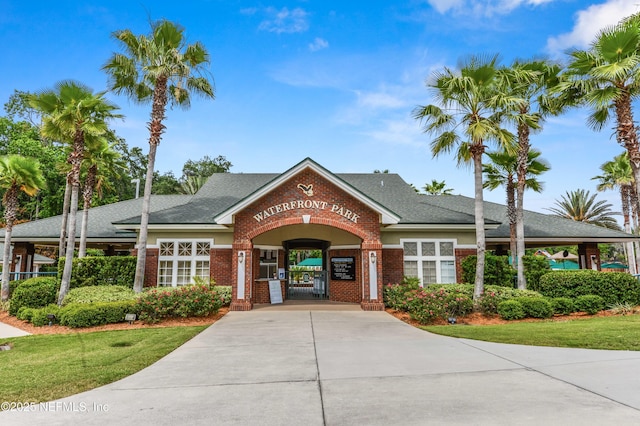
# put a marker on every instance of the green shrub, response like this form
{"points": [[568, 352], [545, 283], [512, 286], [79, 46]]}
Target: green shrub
{"points": [[563, 305], [13, 285], [101, 270], [511, 310], [497, 270], [40, 316], [590, 303], [411, 283], [534, 268], [394, 297], [624, 308], [25, 313], [102, 293], [613, 287], [34, 293], [224, 293], [458, 304], [187, 301], [91, 314], [493, 295], [536, 307], [426, 306]]}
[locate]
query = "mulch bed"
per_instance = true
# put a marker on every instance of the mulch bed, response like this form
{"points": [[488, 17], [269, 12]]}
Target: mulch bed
{"points": [[59, 329]]}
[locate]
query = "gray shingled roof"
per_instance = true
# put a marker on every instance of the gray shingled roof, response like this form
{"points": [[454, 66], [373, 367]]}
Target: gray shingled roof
{"points": [[100, 220], [224, 190]]}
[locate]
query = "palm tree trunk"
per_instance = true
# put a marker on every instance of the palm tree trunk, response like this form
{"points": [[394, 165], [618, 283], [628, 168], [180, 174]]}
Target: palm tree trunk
{"points": [[521, 176], [156, 128], [477, 151], [65, 218], [625, 198], [71, 243], [87, 195], [511, 214], [11, 207]]}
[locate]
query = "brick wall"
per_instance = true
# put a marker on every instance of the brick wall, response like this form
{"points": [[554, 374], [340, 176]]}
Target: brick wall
{"points": [[151, 267], [346, 291], [221, 266], [392, 266]]}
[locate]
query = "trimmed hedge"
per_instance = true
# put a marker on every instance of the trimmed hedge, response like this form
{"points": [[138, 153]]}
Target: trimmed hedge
{"points": [[91, 314], [534, 268], [590, 303], [613, 287], [511, 310], [102, 293], [101, 270], [563, 305], [34, 293], [497, 270], [536, 307], [187, 301]]}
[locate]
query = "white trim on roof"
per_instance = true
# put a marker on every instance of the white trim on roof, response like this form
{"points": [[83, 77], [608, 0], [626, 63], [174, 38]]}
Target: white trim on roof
{"points": [[413, 227], [387, 217]]}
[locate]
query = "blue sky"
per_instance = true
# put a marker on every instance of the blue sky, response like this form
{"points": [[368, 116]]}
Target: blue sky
{"points": [[332, 80]]}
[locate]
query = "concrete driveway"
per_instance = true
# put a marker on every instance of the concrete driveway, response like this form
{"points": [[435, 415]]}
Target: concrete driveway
{"points": [[267, 367]]}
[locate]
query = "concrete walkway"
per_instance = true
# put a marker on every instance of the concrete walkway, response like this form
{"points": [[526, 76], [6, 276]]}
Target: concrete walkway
{"points": [[7, 330], [308, 368]]}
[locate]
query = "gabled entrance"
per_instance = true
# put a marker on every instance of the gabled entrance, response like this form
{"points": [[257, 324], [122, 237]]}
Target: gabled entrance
{"points": [[306, 283]]}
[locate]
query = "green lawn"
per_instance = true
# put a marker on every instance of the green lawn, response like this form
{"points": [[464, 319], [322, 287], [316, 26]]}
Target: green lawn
{"points": [[620, 333], [45, 367]]}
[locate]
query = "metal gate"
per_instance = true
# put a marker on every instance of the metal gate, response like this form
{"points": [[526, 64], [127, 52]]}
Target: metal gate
{"points": [[307, 285]]}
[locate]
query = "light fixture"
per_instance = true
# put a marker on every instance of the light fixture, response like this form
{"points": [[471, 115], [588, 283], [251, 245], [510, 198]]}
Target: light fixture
{"points": [[373, 256], [130, 318], [241, 257], [51, 318]]}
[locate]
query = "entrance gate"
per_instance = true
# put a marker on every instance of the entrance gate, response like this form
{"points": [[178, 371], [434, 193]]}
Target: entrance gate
{"points": [[307, 285]]}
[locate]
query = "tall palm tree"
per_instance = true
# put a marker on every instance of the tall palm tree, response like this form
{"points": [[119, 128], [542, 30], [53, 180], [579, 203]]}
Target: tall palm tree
{"points": [[581, 206], [502, 171], [617, 174], [437, 188], [160, 68], [532, 80], [72, 113], [607, 77], [468, 115], [17, 173], [100, 158]]}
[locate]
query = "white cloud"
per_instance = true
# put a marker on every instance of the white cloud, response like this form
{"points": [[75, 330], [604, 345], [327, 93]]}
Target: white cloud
{"points": [[285, 20], [318, 44], [482, 7], [589, 22]]}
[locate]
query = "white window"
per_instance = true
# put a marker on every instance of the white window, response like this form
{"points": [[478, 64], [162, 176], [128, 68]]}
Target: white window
{"points": [[268, 263], [182, 260], [432, 261]]}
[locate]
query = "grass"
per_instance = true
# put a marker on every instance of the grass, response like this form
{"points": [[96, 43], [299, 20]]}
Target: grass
{"points": [[44, 367], [618, 333]]}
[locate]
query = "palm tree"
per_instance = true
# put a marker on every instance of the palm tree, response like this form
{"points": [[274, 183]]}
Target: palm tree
{"points": [[607, 77], [617, 174], [581, 206], [17, 173], [72, 113], [100, 157], [468, 115], [502, 172], [531, 80], [160, 68], [192, 184], [437, 188]]}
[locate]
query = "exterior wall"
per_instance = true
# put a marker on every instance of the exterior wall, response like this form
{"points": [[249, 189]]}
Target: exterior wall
{"points": [[151, 267], [346, 291], [465, 237], [219, 238], [392, 266], [220, 266], [586, 251], [327, 205]]}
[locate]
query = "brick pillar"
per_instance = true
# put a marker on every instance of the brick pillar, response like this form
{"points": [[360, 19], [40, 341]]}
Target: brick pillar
{"points": [[372, 260], [242, 261], [589, 256], [460, 255]]}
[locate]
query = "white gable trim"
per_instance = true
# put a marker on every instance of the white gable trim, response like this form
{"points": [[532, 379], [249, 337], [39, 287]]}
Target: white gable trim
{"points": [[387, 217]]}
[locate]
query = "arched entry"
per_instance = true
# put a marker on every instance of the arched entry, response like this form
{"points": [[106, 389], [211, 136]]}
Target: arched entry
{"points": [[308, 282]]}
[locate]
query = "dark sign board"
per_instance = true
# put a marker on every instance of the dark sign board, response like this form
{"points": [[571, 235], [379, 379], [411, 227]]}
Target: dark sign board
{"points": [[343, 268]]}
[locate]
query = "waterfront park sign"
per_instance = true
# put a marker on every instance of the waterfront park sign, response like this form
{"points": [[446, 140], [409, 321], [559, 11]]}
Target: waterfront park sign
{"points": [[306, 205]]}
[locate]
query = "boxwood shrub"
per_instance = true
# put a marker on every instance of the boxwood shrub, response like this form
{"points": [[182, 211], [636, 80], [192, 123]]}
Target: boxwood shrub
{"points": [[101, 293], [40, 316], [101, 270], [590, 303], [613, 287], [536, 307], [563, 305], [34, 293], [187, 301], [511, 310], [497, 270], [91, 314]]}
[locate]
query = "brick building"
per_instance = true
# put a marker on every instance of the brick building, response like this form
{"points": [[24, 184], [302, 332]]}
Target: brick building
{"points": [[371, 229]]}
